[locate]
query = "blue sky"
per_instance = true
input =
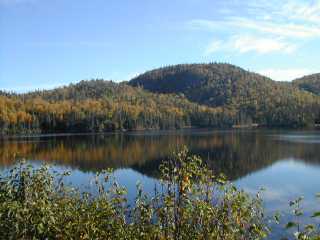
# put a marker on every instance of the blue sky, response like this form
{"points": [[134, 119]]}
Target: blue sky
{"points": [[48, 43]]}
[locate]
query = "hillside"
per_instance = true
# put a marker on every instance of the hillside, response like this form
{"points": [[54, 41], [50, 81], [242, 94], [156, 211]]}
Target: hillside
{"points": [[195, 95], [99, 106], [309, 83], [250, 96], [90, 89], [211, 84]]}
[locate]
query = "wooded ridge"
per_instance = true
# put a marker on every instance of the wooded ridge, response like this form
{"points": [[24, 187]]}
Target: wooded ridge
{"points": [[188, 95]]}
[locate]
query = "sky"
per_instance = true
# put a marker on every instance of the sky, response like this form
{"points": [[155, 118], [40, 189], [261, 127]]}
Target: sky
{"points": [[49, 43]]}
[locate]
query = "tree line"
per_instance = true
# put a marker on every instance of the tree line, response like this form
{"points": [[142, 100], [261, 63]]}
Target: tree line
{"points": [[182, 96], [249, 97], [120, 107]]}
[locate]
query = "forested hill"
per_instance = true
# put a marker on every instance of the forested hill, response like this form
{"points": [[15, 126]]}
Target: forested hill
{"points": [[212, 84], [309, 83], [216, 84], [99, 106], [250, 96], [93, 89], [196, 95]]}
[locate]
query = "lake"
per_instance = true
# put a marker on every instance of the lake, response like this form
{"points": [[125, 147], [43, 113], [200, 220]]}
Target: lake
{"points": [[285, 163]]}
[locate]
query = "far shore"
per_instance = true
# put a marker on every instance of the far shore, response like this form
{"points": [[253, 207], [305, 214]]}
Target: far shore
{"points": [[254, 127]]}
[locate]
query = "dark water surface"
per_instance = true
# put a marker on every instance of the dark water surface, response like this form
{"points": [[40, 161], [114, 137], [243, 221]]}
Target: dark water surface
{"points": [[285, 163]]}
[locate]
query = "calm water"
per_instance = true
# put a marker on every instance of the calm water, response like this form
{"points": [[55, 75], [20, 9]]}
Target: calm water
{"points": [[285, 163]]}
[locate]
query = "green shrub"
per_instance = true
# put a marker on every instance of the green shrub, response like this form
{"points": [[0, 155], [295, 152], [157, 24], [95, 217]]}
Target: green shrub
{"points": [[189, 203], [295, 228]]}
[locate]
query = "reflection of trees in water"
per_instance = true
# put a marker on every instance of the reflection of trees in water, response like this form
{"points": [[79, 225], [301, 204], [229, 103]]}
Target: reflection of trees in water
{"points": [[234, 153]]}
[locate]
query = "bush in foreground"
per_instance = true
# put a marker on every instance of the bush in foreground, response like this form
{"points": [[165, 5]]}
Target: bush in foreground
{"points": [[189, 203]]}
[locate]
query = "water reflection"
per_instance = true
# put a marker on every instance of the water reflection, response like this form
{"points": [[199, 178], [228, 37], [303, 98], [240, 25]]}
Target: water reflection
{"points": [[286, 163], [234, 153]]}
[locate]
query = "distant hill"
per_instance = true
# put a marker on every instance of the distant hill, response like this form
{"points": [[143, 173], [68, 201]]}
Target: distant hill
{"points": [[85, 89], [100, 106], [181, 96], [211, 84], [252, 96], [309, 83]]}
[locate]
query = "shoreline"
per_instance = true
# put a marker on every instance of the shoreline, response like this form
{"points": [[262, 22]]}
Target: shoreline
{"points": [[150, 131]]}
